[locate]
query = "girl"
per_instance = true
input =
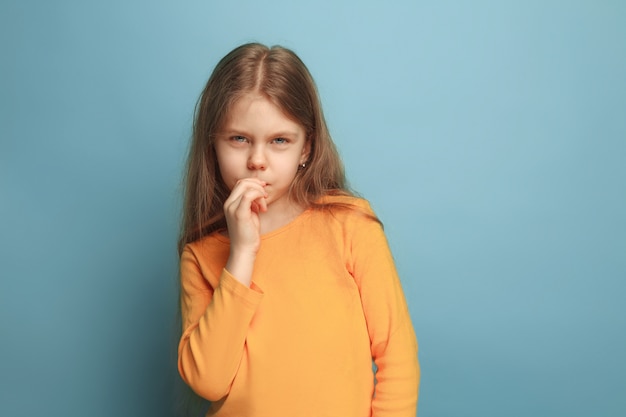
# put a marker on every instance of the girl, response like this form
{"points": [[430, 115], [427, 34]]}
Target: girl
{"points": [[288, 288]]}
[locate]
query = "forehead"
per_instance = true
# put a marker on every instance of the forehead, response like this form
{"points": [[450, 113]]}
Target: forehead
{"points": [[256, 111]]}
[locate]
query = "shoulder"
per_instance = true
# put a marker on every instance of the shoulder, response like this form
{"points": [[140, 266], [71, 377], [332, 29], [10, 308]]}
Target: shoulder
{"points": [[206, 247], [346, 201], [204, 259], [348, 211]]}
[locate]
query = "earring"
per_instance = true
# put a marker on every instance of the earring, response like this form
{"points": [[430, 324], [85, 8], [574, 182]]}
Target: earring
{"points": [[302, 165]]}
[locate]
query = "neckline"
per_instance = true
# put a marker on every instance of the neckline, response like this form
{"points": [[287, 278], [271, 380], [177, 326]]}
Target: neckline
{"points": [[268, 235]]}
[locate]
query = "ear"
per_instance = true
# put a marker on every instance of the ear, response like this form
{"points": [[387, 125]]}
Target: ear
{"points": [[306, 151]]}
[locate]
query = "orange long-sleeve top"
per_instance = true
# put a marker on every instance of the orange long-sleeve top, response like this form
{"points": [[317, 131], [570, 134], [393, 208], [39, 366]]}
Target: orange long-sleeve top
{"points": [[325, 300]]}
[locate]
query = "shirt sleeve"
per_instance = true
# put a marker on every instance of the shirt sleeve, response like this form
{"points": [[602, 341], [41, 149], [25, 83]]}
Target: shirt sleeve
{"points": [[393, 342], [215, 320]]}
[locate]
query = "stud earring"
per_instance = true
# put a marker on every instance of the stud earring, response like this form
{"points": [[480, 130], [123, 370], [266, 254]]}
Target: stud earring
{"points": [[302, 165]]}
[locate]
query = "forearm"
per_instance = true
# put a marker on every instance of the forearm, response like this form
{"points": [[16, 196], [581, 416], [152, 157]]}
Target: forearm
{"points": [[397, 376], [210, 350], [240, 265]]}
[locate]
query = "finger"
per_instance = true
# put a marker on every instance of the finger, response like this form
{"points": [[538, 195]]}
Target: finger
{"points": [[243, 186], [259, 205], [249, 200], [249, 182], [262, 203]]}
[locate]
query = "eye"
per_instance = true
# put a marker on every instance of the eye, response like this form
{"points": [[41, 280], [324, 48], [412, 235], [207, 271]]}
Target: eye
{"points": [[280, 141], [239, 139]]}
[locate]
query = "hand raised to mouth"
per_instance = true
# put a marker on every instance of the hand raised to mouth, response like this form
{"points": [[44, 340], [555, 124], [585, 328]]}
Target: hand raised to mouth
{"points": [[247, 199]]}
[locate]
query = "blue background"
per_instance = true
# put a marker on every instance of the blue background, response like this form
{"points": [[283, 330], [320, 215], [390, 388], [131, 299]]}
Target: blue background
{"points": [[489, 136]]}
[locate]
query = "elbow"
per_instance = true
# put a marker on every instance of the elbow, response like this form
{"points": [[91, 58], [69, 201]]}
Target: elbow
{"points": [[209, 392], [208, 372], [208, 385]]}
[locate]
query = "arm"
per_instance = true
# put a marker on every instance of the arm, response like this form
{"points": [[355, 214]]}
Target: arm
{"points": [[393, 343], [216, 317], [215, 323]]}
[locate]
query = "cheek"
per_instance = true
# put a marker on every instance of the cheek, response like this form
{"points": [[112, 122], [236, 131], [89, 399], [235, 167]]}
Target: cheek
{"points": [[227, 179], [227, 170], [291, 172], [286, 166]]}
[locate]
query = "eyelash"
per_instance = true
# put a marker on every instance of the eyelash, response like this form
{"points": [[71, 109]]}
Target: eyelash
{"points": [[243, 139]]}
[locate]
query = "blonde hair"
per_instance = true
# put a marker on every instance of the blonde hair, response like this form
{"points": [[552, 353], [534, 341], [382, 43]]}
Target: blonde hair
{"points": [[278, 74]]}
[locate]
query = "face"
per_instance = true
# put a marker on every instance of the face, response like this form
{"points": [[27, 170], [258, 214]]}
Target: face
{"points": [[259, 141]]}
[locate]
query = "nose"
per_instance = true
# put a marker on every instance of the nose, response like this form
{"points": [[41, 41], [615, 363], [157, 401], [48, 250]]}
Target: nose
{"points": [[257, 159]]}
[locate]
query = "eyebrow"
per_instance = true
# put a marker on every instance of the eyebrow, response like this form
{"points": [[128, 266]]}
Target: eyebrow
{"points": [[242, 132]]}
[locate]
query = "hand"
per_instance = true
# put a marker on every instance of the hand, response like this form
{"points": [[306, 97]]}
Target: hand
{"points": [[247, 199]]}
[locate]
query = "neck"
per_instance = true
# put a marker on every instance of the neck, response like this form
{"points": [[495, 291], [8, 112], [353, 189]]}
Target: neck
{"points": [[278, 215]]}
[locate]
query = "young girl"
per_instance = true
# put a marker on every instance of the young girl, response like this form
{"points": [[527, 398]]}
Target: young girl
{"points": [[288, 287]]}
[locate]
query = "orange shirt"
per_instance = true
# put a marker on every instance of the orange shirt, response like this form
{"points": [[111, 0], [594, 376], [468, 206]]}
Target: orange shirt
{"points": [[325, 300]]}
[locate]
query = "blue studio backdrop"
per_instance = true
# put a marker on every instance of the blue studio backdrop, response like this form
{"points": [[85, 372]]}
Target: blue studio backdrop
{"points": [[490, 137]]}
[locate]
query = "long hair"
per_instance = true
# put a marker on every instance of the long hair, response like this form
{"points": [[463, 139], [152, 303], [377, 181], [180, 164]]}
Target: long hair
{"points": [[280, 75]]}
